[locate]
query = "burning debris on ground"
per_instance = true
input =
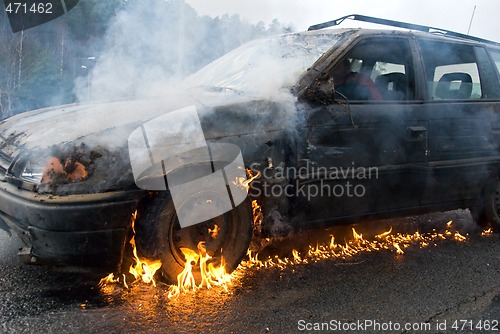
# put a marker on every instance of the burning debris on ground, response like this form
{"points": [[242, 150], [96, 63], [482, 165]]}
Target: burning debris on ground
{"points": [[356, 245], [487, 232]]}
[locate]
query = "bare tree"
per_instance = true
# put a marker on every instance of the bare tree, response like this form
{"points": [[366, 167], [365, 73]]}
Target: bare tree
{"points": [[10, 68]]}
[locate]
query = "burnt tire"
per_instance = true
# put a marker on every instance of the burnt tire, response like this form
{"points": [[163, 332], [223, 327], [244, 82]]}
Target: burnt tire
{"points": [[160, 236], [487, 212]]}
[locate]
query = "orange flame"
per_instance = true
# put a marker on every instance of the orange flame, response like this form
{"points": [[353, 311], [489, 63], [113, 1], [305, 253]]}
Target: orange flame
{"points": [[185, 280], [110, 279], [398, 249], [384, 241], [245, 182], [143, 269], [214, 232], [487, 232], [211, 275]]}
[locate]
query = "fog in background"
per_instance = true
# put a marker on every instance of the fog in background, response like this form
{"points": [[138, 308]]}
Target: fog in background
{"points": [[151, 44], [107, 50]]}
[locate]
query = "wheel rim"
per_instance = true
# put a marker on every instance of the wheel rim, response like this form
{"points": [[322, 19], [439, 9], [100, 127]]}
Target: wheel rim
{"points": [[214, 233]]}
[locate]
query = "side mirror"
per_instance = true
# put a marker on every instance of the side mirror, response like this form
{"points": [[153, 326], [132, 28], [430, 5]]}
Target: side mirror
{"points": [[322, 90]]}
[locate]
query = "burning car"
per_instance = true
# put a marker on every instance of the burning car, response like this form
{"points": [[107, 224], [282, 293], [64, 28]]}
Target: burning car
{"points": [[416, 131]]}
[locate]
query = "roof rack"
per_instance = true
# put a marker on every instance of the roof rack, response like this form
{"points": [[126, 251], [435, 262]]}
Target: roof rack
{"points": [[398, 24]]}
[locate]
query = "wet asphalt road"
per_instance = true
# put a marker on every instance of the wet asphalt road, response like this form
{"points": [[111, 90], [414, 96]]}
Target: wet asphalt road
{"points": [[450, 282]]}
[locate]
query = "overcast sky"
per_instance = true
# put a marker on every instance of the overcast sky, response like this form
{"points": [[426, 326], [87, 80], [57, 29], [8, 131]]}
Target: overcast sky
{"points": [[452, 15]]}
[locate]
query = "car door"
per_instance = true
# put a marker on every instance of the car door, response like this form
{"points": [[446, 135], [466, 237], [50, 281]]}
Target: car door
{"points": [[462, 108], [365, 157]]}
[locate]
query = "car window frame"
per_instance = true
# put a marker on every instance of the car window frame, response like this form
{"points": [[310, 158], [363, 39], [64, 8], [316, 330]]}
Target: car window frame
{"points": [[359, 38]]}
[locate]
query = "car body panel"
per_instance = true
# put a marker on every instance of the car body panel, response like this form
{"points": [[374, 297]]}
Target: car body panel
{"points": [[73, 230]]}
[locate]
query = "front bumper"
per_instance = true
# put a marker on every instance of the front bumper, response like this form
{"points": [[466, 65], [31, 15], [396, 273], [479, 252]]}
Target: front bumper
{"points": [[85, 232]]}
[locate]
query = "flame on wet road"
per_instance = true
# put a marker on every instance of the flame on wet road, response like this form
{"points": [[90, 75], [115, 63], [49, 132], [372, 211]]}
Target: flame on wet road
{"points": [[487, 232], [388, 241], [198, 261], [211, 274], [142, 269]]}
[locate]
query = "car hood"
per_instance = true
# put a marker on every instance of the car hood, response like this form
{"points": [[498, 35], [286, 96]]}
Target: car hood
{"points": [[107, 124]]}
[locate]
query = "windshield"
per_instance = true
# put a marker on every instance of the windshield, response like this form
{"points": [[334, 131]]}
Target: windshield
{"points": [[264, 64]]}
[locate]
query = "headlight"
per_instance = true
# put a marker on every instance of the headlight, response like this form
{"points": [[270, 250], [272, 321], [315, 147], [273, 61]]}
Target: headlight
{"points": [[52, 167], [71, 169], [26, 170], [55, 170], [32, 171]]}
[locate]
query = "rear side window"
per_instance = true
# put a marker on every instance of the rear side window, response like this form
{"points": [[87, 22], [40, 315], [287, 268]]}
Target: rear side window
{"points": [[496, 59], [451, 71]]}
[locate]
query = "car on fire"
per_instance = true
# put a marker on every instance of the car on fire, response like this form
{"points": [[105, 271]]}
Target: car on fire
{"points": [[428, 140]]}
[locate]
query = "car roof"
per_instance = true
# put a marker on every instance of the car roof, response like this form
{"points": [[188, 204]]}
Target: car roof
{"points": [[403, 29]]}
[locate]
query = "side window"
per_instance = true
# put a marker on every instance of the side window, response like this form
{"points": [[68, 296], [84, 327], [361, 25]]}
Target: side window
{"points": [[496, 59], [451, 71], [376, 69]]}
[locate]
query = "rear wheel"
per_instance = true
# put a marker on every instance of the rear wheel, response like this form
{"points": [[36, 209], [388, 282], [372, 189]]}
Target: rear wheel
{"points": [[227, 236]]}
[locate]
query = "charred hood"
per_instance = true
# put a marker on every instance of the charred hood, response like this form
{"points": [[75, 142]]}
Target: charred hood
{"points": [[110, 124]]}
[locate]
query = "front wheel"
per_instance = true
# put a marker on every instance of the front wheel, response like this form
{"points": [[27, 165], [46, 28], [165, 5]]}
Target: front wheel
{"points": [[226, 236]]}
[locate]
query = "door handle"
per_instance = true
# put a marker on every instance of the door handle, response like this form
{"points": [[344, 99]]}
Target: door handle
{"points": [[415, 133]]}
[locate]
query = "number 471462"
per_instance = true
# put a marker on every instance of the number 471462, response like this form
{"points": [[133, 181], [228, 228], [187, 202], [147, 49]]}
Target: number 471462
{"points": [[22, 8], [486, 325]]}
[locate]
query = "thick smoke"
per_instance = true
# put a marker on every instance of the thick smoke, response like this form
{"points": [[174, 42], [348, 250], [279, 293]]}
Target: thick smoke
{"points": [[151, 45]]}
